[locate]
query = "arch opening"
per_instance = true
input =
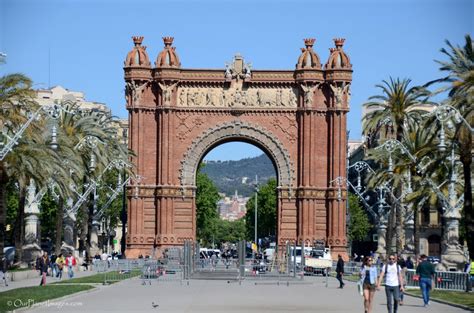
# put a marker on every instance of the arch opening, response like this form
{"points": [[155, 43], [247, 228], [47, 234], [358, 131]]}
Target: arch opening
{"points": [[237, 131]]}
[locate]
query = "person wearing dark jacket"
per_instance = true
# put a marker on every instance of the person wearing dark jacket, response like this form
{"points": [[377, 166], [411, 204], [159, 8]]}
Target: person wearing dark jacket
{"points": [[340, 270], [427, 272], [42, 264]]}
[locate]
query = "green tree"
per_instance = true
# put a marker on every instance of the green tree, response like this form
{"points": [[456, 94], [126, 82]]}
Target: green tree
{"points": [[460, 79], [266, 211], [359, 225], [31, 158], [391, 111], [207, 216], [230, 231]]}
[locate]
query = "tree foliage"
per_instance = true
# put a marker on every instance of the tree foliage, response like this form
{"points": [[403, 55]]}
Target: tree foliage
{"points": [[266, 211], [359, 225], [206, 207]]}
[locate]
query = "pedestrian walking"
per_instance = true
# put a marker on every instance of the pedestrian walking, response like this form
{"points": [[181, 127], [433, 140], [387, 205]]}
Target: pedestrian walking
{"points": [[393, 283], [409, 264], [70, 262], [3, 270], [60, 262], [340, 270], [403, 265], [426, 273], [42, 264], [368, 279], [52, 262]]}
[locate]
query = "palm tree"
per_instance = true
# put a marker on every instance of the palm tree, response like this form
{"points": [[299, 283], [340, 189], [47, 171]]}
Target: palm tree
{"points": [[75, 129], [16, 99], [398, 105], [420, 140], [461, 92]]}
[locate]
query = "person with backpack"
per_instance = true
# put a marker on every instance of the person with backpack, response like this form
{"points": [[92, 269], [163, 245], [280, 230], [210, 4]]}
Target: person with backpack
{"points": [[393, 283]]}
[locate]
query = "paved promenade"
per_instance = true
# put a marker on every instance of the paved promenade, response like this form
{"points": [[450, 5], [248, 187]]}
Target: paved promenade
{"points": [[220, 296]]}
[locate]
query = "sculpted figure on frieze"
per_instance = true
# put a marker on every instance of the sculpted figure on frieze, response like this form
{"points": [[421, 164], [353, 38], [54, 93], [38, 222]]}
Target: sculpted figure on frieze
{"points": [[167, 91], [339, 92], [133, 90], [292, 100], [308, 94], [182, 97]]}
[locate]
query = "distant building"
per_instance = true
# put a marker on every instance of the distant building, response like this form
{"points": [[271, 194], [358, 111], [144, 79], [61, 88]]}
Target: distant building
{"points": [[232, 209], [59, 93]]}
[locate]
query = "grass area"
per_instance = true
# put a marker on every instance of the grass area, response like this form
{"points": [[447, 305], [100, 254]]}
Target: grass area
{"points": [[30, 296], [458, 297], [347, 277], [19, 269], [110, 277]]}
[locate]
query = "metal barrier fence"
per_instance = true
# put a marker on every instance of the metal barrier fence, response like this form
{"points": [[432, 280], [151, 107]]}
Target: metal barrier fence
{"points": [[442, 280], [162, 273], [115, 270]]}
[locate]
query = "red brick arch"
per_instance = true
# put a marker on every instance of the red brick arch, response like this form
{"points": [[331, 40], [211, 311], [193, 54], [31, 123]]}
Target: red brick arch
{"points": [[176, 115]]}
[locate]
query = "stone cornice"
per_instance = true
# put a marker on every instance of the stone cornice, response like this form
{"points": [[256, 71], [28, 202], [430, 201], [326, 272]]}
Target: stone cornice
{"points": [[258, 77], [152, 191]]}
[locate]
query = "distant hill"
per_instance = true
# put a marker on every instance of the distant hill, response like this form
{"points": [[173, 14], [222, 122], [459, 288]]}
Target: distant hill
{"points": [[230, 176]]}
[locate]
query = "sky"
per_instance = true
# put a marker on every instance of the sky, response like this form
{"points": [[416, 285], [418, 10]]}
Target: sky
{"points": [[81, 44]]}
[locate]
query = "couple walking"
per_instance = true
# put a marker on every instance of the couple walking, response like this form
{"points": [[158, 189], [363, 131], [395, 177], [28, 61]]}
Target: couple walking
{"points": [[394, 282]]}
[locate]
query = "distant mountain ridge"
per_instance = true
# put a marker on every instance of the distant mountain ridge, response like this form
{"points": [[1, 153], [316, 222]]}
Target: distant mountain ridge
{"points": [[230, 176]]}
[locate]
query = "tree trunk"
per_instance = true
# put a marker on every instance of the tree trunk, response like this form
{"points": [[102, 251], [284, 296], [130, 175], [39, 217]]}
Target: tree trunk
{"points": [[390, 231], [416, 232], [90, 219], [3, 208], [399, 228], [19, 231], [59, 226]]}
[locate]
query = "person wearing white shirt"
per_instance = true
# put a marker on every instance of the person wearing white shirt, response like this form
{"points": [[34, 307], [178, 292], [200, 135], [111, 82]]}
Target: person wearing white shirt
{"points": [[393, 283]]}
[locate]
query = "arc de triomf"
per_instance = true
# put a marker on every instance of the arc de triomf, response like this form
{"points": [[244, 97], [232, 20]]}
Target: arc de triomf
{"points": [[177, 115]]}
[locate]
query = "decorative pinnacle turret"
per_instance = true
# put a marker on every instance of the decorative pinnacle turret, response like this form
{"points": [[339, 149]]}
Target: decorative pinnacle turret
{"points": [[339, 42], [137, 40], [309, 42], [168, 41]]}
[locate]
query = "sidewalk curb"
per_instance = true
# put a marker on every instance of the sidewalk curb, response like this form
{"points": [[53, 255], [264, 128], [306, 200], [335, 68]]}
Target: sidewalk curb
{"points": [[464, 307]]}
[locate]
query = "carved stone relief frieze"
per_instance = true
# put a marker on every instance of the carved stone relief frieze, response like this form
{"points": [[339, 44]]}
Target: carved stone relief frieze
{"points": [[252, 97]]}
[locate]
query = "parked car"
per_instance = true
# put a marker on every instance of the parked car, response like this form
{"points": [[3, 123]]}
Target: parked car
{"points": [[9, 253]]}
